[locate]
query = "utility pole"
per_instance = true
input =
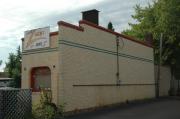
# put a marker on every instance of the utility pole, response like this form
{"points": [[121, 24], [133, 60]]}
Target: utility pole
{"points": [[159, 66]]}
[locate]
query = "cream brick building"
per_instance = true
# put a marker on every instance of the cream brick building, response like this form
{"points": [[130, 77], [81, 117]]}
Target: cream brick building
{"points": [[83, 63]]}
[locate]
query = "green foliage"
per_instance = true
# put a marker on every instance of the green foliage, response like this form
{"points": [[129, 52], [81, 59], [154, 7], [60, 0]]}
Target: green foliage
{"points": [[13, 68], [110, 26], [163, 16], [47, 109]]}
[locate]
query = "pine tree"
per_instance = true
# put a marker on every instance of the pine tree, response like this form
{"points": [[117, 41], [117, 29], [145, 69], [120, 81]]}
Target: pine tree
{"points": [[110, 26], [13, 68]]}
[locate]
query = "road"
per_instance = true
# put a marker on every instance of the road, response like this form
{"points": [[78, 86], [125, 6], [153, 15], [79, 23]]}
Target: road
{"points": [[157, 109]]}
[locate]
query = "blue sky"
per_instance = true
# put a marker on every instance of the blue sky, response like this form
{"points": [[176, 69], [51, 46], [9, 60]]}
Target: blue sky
{"points": [[21, 15]]}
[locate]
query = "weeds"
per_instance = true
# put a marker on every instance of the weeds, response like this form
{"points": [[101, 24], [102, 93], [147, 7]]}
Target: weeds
{"points": [[46, 109]]}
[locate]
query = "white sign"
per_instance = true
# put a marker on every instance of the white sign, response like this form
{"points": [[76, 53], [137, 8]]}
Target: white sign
{"points": [[37, 38]]}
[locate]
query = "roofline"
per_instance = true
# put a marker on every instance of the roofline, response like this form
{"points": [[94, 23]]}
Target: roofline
{"points": [[79, 28], [5, 78], [53, 33], [115, 33], [91, 10]]}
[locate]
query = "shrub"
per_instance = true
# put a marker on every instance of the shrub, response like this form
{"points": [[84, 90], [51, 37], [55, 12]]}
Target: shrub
{"points": [[46, 109]]}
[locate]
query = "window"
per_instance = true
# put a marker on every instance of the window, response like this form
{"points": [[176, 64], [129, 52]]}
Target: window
{"points": [[40, 78]]}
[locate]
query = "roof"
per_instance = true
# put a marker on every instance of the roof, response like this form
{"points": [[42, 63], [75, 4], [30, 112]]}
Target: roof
{"points": [[92, 10], [79, 28], [53, 33], [103, 29], [5, 79]]}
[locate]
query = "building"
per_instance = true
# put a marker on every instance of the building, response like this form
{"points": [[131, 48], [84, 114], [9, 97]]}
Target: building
{"points": [[4, 79], [88, 65]]}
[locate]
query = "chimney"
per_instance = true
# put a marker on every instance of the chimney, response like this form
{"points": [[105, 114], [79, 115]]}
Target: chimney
{"points": [[91, 16]]}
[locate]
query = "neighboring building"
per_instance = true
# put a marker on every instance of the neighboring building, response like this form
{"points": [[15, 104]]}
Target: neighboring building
{"points": [[4, 80], [84, 67], [3, 74]]}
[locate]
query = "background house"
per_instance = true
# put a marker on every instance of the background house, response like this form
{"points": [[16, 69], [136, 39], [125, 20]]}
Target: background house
{"points": [[4, 79]]}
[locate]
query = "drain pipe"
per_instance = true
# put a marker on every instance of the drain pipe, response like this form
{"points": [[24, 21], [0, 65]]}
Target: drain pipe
{"points": [[159, 66], [117, 55]]}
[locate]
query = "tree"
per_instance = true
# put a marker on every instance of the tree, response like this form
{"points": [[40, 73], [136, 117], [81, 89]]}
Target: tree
{"points": [[163, 16], [13, 68], [0, 62], [110, 26]]}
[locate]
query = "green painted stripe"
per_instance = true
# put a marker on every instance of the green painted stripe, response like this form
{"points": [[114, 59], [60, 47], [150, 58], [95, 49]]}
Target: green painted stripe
{"points": [[87, 48], [40, 51], [120, 54], [91, 47], [34, 51], [144, 84], [133, 57], [102, 50]]}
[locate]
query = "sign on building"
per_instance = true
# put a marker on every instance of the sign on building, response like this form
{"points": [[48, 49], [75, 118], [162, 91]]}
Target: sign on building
{"points": [[36, 38]]}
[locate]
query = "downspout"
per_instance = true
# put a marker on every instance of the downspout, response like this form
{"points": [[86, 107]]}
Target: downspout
{"points": [[159, 67], [117, 58]]}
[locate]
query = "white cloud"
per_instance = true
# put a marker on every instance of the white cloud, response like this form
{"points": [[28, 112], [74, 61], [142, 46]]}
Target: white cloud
{"points": [[21, 15]]}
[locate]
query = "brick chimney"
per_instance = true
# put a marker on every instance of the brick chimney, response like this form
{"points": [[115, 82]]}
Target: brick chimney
{"points": [[91, 16]]}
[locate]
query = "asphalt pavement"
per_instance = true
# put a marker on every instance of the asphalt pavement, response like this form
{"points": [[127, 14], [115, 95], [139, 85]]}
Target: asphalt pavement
{"points": [[165, 108]]}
